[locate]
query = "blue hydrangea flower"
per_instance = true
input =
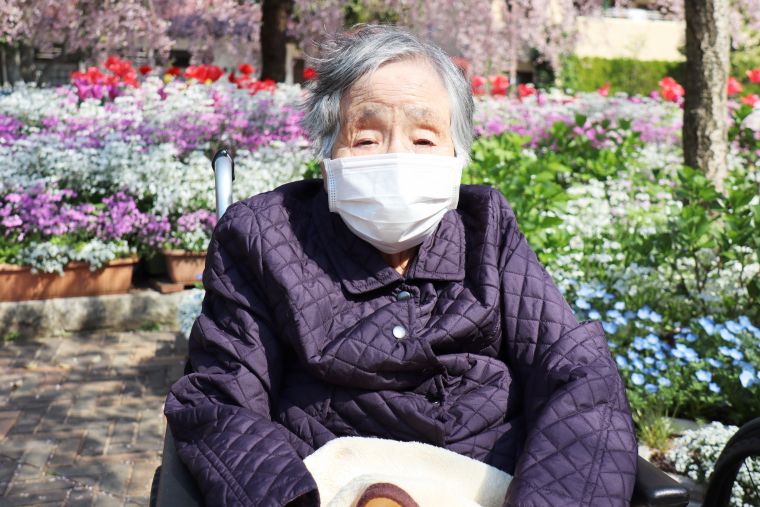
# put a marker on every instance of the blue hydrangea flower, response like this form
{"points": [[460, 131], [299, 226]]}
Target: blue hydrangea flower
{"points": [[734, 326], [610, 327], [683, 352], [728, 336], [594, 315], [582, 304], [649, 360], [703, 375], [707, 324], [664, 381], [637, 379], [644, 313], [714, 387], [619, 306], [691, 337], [621, 361], [734, 354], [650, 388], [714, 362], [747, 378], [617, 317], [747, 325]]}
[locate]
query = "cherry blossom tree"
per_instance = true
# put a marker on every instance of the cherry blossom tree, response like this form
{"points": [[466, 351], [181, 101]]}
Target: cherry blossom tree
{"points": [[92, 29], [89, 29], [490, 35], [204, 24]]}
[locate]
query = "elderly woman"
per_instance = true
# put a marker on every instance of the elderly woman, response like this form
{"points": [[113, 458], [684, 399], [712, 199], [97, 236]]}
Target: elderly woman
{"points": [[387, 301]]}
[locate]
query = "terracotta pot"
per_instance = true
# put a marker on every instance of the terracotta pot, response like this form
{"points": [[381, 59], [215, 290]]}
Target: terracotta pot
{"points": [[185, 267], [18, 283]]}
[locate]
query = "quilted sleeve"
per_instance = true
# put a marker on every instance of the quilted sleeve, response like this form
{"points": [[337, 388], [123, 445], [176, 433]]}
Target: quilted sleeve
{"points": [[220, 413], [580, 447]]}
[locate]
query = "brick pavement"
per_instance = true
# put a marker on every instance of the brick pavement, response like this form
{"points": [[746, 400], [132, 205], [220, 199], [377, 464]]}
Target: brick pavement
{"points": [[81, 418]]}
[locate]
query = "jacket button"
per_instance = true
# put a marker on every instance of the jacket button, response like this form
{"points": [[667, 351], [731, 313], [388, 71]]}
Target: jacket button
{"points": [[399, 332], [403, 296]]}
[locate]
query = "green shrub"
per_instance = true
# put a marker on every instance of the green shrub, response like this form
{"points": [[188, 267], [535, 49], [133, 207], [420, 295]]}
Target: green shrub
{"points": [[624, 74]]}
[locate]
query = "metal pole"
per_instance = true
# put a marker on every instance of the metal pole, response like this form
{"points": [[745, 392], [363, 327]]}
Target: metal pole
{"points": [[224, 173]]}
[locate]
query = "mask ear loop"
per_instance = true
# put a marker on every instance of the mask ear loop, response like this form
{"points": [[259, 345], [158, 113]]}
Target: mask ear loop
{"points": [[330, 182], [461, 162]]}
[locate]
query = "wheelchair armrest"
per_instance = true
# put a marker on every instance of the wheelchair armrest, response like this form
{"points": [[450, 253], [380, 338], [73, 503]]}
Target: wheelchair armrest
{"points": [[655, 488], [176, 486]]}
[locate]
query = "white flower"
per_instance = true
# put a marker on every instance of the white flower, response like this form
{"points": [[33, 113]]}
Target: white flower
{"points": [[752, 121]]}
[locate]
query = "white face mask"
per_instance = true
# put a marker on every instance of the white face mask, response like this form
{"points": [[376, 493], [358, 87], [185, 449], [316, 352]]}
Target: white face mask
{"points": [[395, 200]]}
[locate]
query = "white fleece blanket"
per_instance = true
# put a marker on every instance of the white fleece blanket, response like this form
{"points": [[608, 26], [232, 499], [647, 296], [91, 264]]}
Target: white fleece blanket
{"points": [[343, 468]]}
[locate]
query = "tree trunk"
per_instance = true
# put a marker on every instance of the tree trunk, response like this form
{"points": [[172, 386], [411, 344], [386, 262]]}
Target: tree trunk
{"points": [[512, 20], [13, 65], [273, 36], [705, 132]]}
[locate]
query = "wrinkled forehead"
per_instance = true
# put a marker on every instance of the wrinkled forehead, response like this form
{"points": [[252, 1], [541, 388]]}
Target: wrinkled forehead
{"points": [[411, 85]]}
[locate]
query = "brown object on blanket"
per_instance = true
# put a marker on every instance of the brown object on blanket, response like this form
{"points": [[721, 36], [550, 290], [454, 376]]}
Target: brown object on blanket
{"points": [[383, 494]]}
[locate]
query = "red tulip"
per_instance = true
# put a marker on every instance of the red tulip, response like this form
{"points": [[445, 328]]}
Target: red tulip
{"points": [[670, 89], [213, 73], [130, 79], [754, 76], [750, 99], [257, 86], [243, 81], [733, 87], [232, 78], [499, 84], [604, 90], [309, 73], [525, 90], [478, 85], [174, 71], [145, 69], [245, 69], [118, 66]]}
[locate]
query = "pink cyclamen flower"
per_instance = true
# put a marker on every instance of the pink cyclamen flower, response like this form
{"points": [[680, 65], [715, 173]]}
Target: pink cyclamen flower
{"points": [[670, 89], [750, 99], [733, 87]]}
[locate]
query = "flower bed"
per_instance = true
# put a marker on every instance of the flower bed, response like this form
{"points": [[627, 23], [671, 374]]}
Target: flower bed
{"points": [[696, 452], [648, 247]]}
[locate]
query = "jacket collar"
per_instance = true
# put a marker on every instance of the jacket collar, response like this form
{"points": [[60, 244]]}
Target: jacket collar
{"points": [[362, 269]]}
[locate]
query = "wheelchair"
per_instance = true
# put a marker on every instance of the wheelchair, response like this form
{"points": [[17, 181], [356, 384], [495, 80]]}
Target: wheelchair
{"points": [[173, 485]]}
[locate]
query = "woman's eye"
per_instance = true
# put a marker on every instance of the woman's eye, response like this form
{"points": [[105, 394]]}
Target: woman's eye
{"points": [[423, 142], [365, 142]]}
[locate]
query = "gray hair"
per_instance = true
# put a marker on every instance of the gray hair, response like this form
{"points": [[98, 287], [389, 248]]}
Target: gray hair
{"points": [[351, 55]]}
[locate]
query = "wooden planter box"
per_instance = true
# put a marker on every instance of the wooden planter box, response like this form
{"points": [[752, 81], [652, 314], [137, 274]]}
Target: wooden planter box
{"points": [[18, 283], [184, 267]]}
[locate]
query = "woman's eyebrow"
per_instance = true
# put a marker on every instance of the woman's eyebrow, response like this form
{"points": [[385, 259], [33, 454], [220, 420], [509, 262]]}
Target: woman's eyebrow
{"points": [[423, 114], [367, 113]]}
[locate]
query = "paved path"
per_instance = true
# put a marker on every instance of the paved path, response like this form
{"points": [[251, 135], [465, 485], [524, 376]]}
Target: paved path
{"points": [[81, 418]]}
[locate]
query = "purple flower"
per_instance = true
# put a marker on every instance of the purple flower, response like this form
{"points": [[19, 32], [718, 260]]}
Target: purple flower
{"points": [[10, 129], [12, 221]]}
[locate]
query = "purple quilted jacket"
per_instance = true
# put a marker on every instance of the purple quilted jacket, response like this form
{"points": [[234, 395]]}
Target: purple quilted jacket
{"points": [[306, 334]]}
